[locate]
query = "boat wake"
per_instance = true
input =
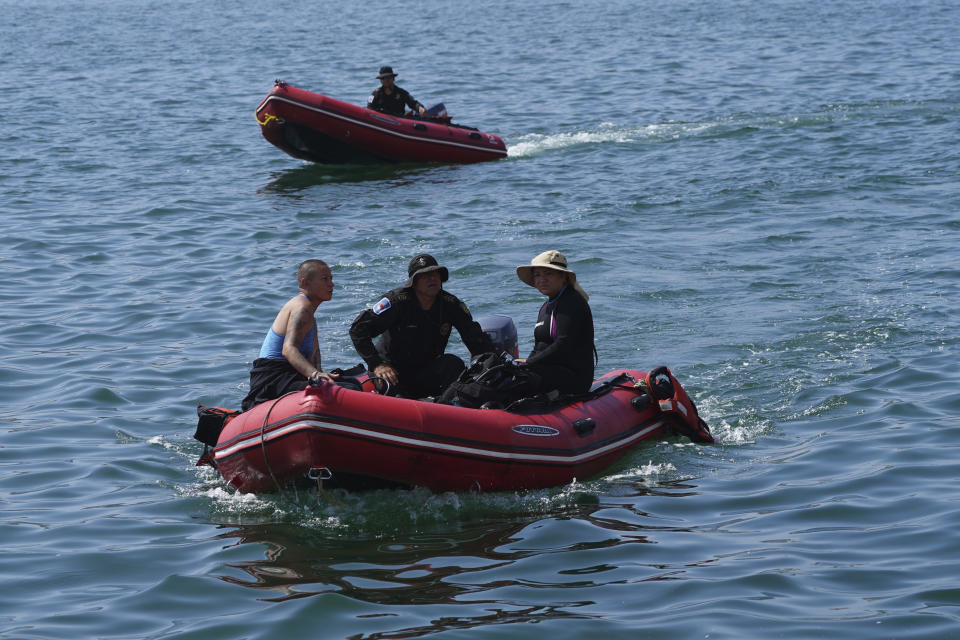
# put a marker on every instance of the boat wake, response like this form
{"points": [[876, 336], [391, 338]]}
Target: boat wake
{"points": [[535, 143], [733, 125]]}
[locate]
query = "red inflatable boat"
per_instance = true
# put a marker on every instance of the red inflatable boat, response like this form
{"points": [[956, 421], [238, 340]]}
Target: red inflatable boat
{"points": [[311, 126], [328, 430]]}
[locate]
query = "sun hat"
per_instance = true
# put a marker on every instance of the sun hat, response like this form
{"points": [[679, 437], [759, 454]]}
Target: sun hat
{"points": [[550, 260], [385, 72], [424, 263]]}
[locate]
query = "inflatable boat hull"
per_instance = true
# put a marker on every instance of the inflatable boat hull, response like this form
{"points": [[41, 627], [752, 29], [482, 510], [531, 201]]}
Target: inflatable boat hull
{"points": [[445, 448], [314, 127]]}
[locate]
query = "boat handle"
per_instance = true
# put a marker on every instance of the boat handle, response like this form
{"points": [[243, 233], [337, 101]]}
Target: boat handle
{"points": [[420, 127], [475, 135], [584, 426], [319, 473], [640, 403]]}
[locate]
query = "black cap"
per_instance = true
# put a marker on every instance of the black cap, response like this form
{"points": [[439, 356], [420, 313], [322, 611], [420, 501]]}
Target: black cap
{"points": [[424, 263], [385, 72]]}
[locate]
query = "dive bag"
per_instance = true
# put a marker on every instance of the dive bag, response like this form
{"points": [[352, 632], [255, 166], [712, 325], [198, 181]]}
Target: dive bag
{"points": [[210, 422]]}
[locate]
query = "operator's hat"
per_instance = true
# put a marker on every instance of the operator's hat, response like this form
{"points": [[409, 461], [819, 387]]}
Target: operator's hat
{"points": [[424, 263]]}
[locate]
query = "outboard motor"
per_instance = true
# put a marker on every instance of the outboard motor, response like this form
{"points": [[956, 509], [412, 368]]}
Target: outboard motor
{"points": [[437, 112], [502, 332]]}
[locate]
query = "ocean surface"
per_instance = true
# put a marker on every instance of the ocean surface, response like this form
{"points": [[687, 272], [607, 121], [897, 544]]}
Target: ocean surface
{"points": [[764, 196]]}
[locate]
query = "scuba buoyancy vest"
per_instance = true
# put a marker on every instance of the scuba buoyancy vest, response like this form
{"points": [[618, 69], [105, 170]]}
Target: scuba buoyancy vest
{"points": [[491, 381]]}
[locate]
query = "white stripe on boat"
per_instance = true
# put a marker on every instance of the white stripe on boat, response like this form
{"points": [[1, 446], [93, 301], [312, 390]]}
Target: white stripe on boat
{"points": [[254, 442]]}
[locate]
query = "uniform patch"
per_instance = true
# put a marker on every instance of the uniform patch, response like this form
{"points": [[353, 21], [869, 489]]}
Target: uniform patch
{"points": [[381, 306]]}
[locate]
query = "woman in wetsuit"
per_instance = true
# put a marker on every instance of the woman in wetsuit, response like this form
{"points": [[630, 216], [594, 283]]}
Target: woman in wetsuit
{"points": [[563, 353]]}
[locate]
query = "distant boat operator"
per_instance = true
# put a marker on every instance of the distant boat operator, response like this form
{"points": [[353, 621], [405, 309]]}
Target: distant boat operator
{"points": [[389, 98]]}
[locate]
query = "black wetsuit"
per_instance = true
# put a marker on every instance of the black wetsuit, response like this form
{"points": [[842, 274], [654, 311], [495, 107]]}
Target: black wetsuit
{"points": [[563, 355], [413, 339], [392, 103]]}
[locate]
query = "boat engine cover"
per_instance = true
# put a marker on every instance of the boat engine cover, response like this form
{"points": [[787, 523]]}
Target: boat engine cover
{"points": [[502, 332]]}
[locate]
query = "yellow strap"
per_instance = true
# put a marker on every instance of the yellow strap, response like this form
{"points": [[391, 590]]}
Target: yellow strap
{"points": [[266, 119]]}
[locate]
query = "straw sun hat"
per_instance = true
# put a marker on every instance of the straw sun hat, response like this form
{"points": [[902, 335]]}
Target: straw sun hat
{"points": [[550, 260]]}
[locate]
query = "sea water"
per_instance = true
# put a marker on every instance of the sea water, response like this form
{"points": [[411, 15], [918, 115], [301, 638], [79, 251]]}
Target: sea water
{"points": [[762, 196]]}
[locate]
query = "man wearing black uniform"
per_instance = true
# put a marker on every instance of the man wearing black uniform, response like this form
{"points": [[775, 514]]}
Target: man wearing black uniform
{"points": [[389, 98], [415, 322]]}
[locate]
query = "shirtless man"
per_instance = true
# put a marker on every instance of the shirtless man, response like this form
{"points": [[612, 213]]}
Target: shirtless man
{"points": [[290, 354]]}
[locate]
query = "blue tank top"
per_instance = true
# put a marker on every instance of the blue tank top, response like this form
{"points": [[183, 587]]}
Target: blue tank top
{"points": [[272, 347]]}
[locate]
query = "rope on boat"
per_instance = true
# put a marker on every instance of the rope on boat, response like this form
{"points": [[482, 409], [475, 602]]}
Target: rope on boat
{"points": [[315, 473], [267, 119], [263, 442]]}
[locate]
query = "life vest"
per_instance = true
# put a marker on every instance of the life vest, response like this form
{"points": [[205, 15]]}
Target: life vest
{"points": [[675, 404]]}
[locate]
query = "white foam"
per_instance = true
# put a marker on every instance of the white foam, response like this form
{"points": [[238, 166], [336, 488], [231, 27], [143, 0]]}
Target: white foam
{"points": [[652, 471], [160, 440], [533, 143]]}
